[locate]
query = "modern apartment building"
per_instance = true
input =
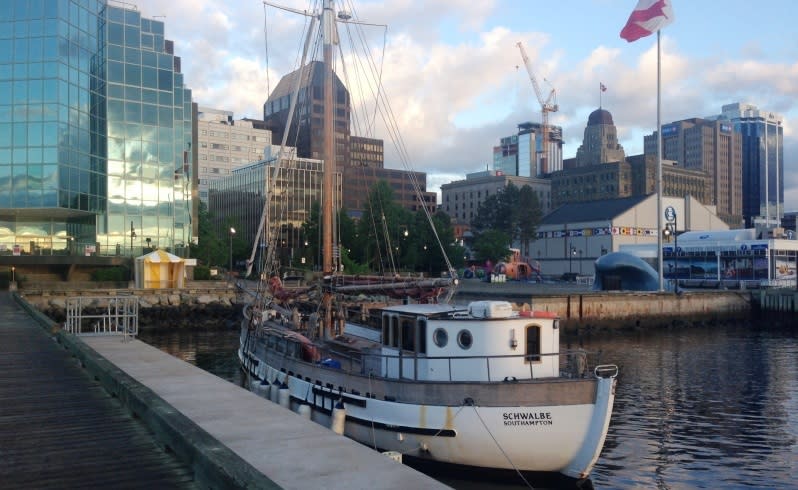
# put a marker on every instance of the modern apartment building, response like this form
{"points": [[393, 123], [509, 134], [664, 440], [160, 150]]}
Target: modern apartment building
{"points": [[225, 144], [762, 134], [95, 131], [713, 147]]}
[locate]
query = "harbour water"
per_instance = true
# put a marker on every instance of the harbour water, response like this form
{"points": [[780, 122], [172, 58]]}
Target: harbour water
{"points": [[708, 407]]}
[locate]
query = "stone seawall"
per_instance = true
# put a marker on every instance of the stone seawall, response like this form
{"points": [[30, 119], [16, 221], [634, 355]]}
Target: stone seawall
{"points": [[581, 308], [215, 305]]}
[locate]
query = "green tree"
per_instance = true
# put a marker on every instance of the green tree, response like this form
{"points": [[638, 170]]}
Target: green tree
{"points": [[380, 231], [513, 211], [529, 215], [492, 245]]}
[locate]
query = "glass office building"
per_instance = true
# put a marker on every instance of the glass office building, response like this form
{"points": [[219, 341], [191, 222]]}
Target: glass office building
{"points": [[762, 161], [95, 130]]}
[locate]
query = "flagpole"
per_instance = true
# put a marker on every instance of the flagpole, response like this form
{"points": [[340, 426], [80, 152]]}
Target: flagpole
{"points": [[659, 171]]}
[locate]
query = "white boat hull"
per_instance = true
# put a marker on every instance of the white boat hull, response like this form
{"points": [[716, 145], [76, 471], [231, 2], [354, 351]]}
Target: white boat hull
{"points": [[552, 438]]}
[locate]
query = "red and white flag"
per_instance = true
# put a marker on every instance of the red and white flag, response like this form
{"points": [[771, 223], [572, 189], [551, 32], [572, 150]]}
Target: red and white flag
{"points": [[602, 87], [647, 18]]}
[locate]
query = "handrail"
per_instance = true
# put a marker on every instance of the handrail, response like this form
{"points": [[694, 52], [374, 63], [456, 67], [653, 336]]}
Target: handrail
{"points": [[102, 315], [572, 364]]}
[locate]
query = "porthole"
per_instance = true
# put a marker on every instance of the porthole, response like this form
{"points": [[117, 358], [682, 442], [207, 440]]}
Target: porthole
{"points": [[465, 339], [440, 337]]}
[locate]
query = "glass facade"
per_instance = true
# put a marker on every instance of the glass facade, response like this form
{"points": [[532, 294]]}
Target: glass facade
{"points": [[237, 200], [94, 123]]}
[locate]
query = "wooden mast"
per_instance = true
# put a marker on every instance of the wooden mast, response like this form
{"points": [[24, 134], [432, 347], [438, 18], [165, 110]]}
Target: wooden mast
{"points": [[328, 27]]}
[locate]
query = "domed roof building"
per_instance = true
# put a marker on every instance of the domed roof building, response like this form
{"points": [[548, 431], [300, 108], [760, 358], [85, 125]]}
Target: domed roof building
{"points": [[600, 144]]}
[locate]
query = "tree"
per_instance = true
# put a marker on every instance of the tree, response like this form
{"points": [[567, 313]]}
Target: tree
{"points": [[492, 245], [380, 231], [210, 249], [529, 215], [515, 212]]}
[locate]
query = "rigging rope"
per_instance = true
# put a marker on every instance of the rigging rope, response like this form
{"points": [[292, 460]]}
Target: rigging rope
{"points": [[520, 475]]}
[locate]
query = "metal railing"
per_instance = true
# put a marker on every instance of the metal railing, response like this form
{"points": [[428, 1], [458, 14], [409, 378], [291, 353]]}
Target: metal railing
{"points": [[570, 363], [102, 315]]}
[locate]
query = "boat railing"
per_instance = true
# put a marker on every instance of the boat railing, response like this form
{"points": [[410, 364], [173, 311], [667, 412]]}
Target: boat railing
{"points": [[412, 366], [103, 315]]}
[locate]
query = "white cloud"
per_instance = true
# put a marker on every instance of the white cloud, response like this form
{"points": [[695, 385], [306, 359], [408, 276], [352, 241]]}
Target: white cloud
{"points": [[450, 71]]}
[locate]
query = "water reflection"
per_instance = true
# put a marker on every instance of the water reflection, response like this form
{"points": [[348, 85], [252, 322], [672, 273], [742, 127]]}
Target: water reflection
{"points": [[708, 407]]}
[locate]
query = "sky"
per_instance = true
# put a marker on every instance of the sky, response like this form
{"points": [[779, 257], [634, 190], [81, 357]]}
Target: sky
{"points": [[457, 84]]}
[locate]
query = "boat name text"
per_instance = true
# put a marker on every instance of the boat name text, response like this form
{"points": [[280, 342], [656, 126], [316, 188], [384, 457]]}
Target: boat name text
{"points": [[527, 418]]}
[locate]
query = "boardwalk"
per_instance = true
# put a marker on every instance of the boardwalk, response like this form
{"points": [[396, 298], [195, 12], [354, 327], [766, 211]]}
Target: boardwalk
{"points": [[61, 429]]}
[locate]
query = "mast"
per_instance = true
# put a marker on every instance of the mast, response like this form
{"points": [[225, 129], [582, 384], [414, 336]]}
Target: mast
{"points": [[328, 27]]}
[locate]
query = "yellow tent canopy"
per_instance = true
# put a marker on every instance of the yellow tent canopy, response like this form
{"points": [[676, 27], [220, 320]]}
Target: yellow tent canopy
{"points": [[160, 269]]}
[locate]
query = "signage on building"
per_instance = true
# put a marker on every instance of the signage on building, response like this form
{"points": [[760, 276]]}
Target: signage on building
{"points": [[17, 250], [725, 128], [670, 129]]}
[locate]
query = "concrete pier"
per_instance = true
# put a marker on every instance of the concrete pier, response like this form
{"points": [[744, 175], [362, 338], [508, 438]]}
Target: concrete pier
{"points": [[228, 436]]}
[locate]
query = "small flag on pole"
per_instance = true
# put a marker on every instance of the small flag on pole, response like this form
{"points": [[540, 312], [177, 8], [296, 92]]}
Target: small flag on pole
{"points": [[647, 18], [602, 87]]}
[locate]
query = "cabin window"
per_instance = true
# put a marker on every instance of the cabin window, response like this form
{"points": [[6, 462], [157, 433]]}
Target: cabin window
{"points": [[394, 331], [421, 340], [386, 329], [440, 337], [533, 343], [464, 339], [408, 334]]}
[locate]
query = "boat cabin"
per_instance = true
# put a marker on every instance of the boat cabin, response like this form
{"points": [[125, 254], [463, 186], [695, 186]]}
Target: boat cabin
{"points": [[483, 341]]}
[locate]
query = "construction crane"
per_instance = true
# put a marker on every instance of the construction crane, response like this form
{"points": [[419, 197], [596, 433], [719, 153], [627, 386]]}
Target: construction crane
{"points": [[549, 104]]}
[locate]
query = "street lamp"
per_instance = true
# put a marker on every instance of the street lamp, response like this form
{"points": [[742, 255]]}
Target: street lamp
{"points": [[13, 274], [132, 236], [570, 257], [232, 232]]}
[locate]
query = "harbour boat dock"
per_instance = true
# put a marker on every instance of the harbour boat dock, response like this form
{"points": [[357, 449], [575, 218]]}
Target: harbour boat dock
{"points": [[145, 405]]}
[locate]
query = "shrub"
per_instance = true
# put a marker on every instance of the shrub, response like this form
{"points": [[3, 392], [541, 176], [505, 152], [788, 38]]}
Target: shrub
{"points": [[110, 274]]}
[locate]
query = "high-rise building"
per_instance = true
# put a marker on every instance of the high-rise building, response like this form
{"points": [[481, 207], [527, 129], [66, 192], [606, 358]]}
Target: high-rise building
{"points": [[762, 134], [95, 130], [713, 147], [522, 154], [306, 126], [225, 144], [359, 159], [600, 142]]}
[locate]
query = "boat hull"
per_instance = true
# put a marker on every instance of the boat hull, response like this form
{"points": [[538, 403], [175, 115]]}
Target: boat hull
{"points": [[540, 426]]}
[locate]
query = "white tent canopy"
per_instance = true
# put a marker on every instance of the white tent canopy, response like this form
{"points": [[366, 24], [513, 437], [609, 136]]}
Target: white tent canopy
{"points": [[160, 269]]}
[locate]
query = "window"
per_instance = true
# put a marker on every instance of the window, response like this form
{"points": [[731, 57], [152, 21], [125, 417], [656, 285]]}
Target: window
{"points": [[533, 343], [440, 337], [465, 339]]}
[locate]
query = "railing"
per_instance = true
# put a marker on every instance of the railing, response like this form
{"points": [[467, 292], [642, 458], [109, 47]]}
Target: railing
{"points": [[102, 315], [565, 364]]}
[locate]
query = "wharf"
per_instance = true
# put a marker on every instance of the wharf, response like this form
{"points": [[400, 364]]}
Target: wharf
{"points": [[60, 429], [228, 436]]}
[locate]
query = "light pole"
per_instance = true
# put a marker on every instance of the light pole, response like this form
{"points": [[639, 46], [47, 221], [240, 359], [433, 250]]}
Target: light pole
{"points": [[570, 257], [232, 232], [132, 236], [580, 261], [13, 274]]}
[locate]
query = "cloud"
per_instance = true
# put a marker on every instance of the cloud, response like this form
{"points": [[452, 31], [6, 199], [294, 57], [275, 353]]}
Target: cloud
{"points": [[457, 83]]}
